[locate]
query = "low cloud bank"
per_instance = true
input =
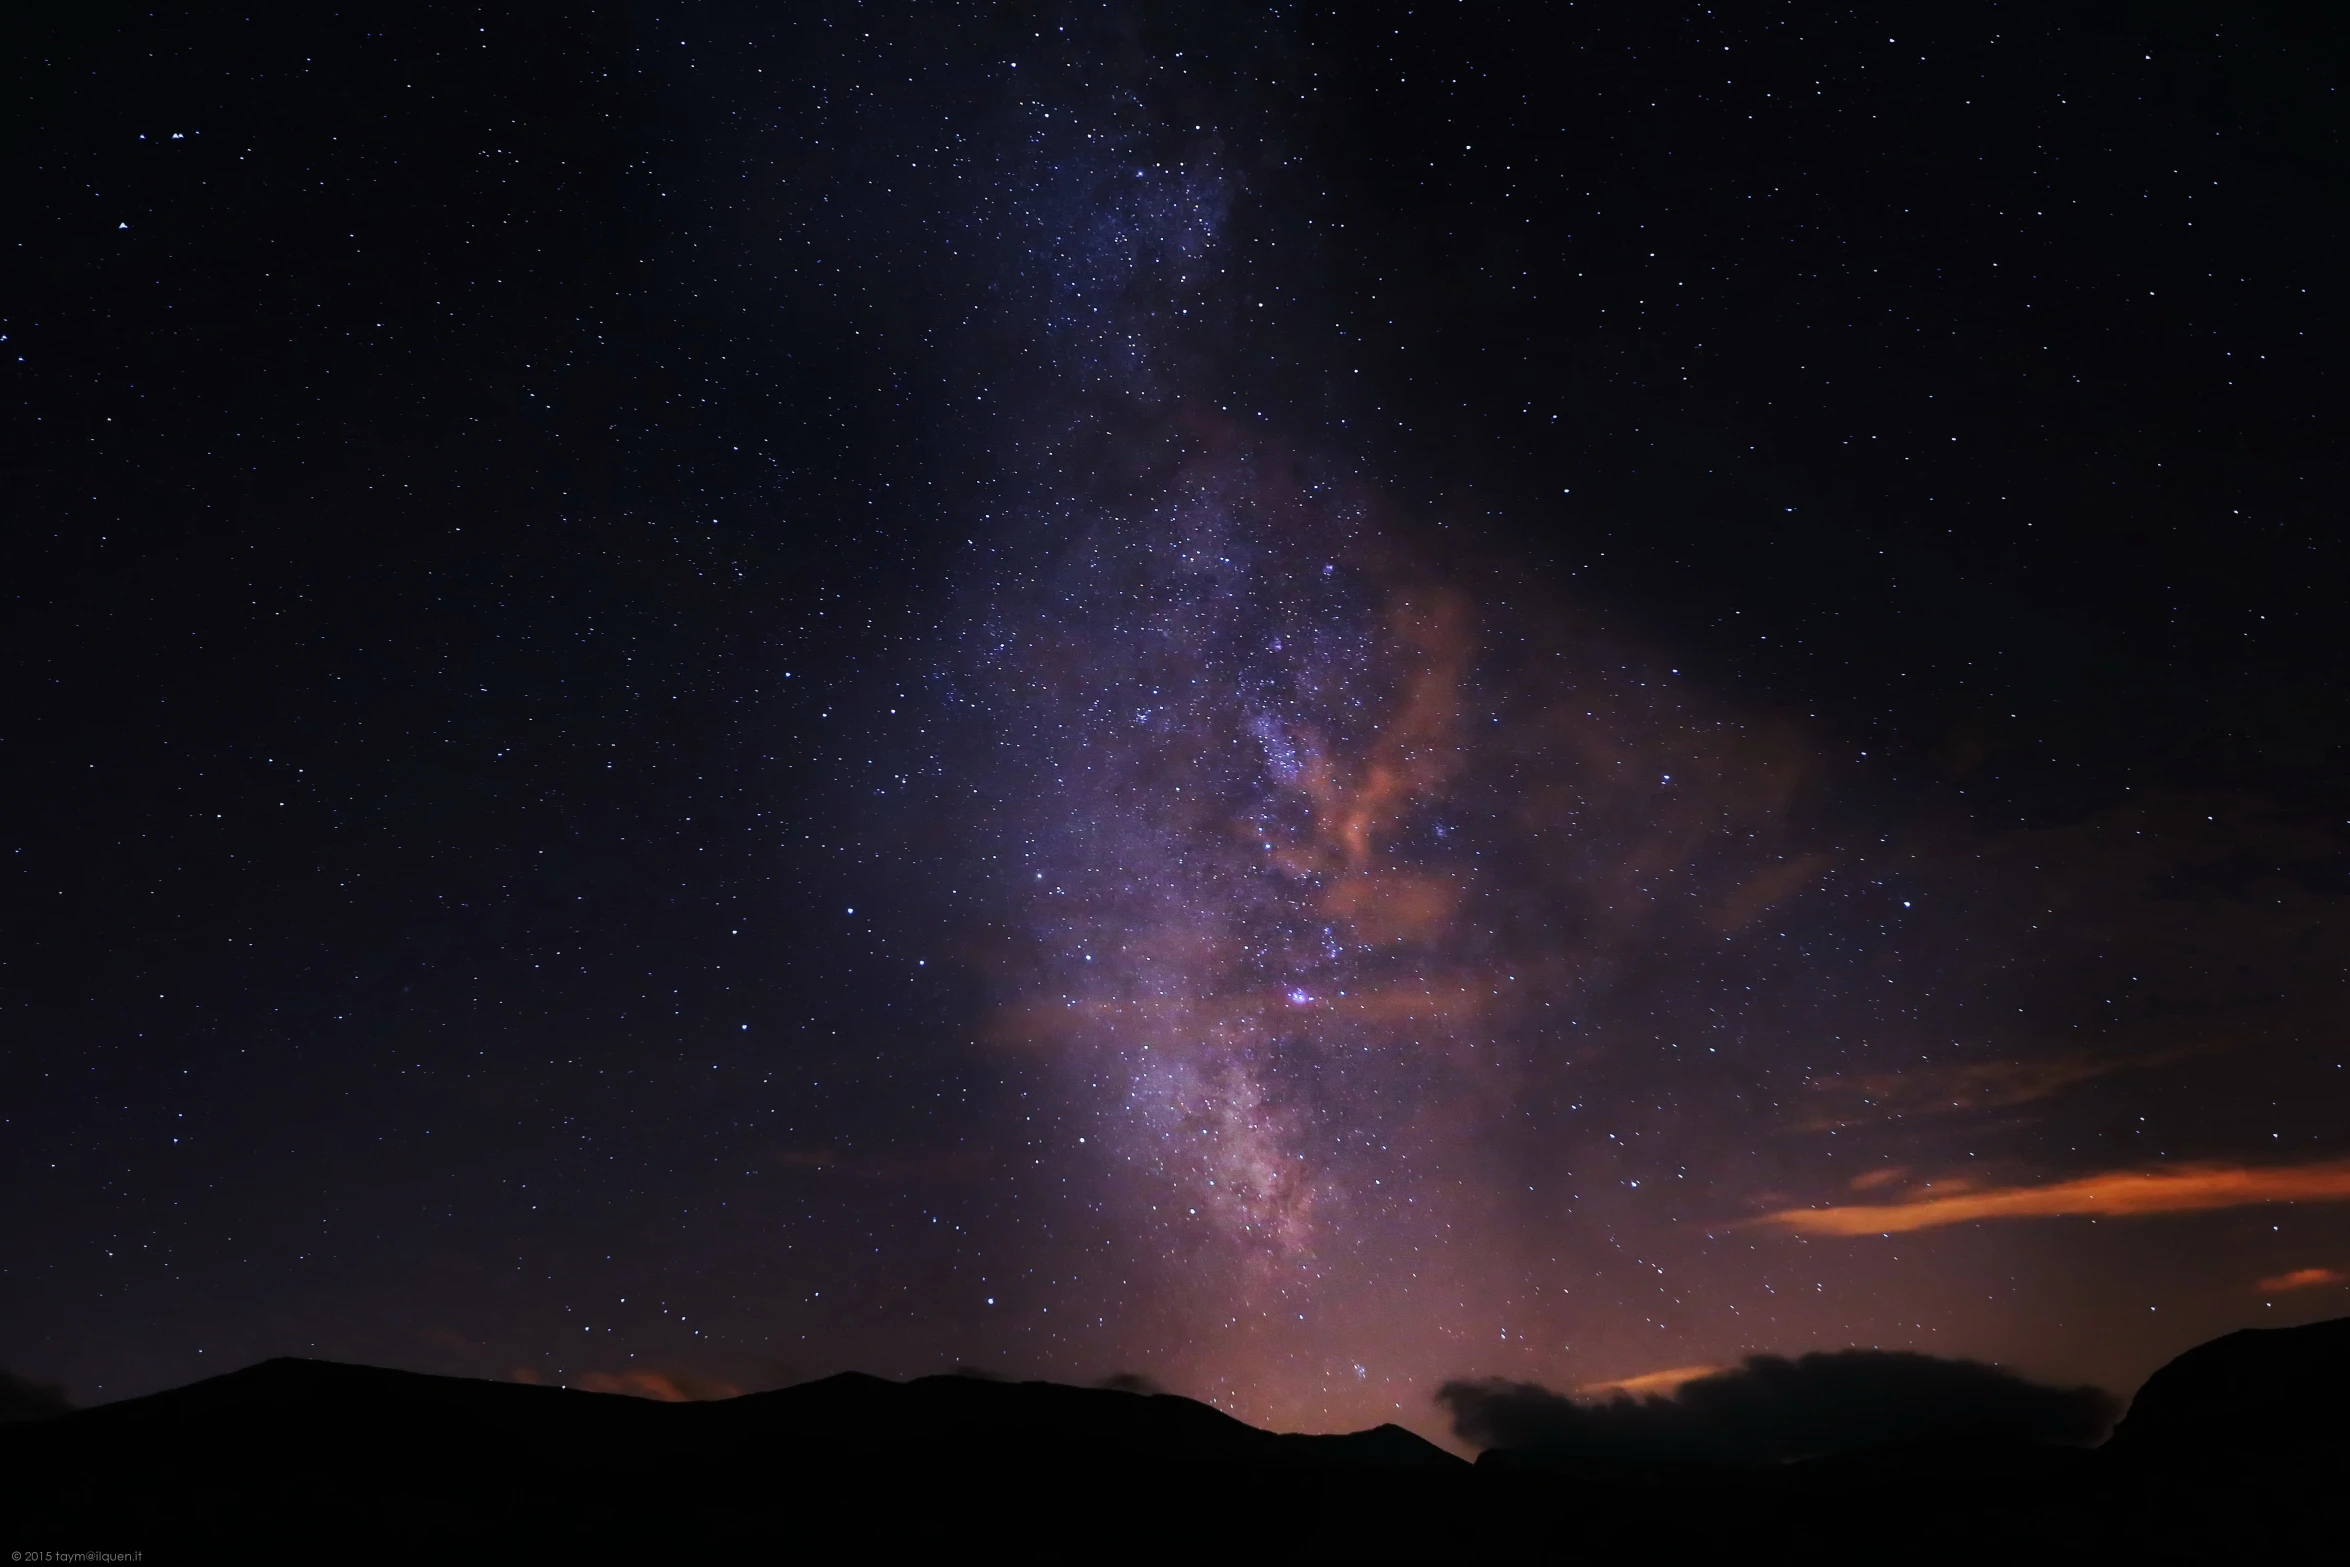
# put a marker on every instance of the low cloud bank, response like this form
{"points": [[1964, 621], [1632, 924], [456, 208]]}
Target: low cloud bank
{"points": [[1772, 1410]]}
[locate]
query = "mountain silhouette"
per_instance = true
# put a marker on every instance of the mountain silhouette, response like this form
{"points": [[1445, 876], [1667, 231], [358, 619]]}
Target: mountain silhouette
{"points": [[387, 1462], [2235, 1448], [2263, 1390], [2245, 1439], [844, 1419]]}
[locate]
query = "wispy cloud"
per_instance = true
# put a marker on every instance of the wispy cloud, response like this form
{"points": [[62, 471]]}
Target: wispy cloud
{"points": [[2300, 1279], [1971, 1085], [1649, 1383], [2189, 1188]]}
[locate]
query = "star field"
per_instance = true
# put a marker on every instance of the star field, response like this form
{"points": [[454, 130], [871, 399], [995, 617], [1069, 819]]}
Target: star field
{"points": [[1302, 703]]}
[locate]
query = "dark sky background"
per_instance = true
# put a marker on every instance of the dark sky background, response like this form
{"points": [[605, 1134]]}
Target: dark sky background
{"points": [[1298, 700]]}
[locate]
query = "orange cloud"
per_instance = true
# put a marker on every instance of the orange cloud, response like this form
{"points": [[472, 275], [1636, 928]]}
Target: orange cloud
{"points": [[2299, 1279], [1898, 1175], [1453, 998], [2192, 1188], [1415, 752], [1657, 1384], [1390, 907]]}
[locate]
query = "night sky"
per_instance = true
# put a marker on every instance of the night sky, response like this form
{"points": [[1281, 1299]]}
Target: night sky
{"points": [[1297, 701]]}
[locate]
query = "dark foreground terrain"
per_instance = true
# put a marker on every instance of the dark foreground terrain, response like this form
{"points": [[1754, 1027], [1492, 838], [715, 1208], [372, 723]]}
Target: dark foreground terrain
{"points": [[2236, 1450]]}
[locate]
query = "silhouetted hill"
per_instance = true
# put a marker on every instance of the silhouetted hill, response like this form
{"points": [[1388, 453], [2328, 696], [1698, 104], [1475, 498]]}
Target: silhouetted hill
{"points": [[383, 1460], [2235, 1448], [2246, 1439], [2259, 1391], [845, 1419]]}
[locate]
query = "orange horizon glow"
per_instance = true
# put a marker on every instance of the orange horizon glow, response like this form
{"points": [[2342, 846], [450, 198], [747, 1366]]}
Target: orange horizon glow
{"points": [[659, 1386], [2193, 1188]]}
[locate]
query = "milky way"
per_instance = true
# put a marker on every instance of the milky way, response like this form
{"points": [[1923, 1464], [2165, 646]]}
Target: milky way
{"points": [[1348, 888], [1329, 875], [1303, 701], [1416, 968]]}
